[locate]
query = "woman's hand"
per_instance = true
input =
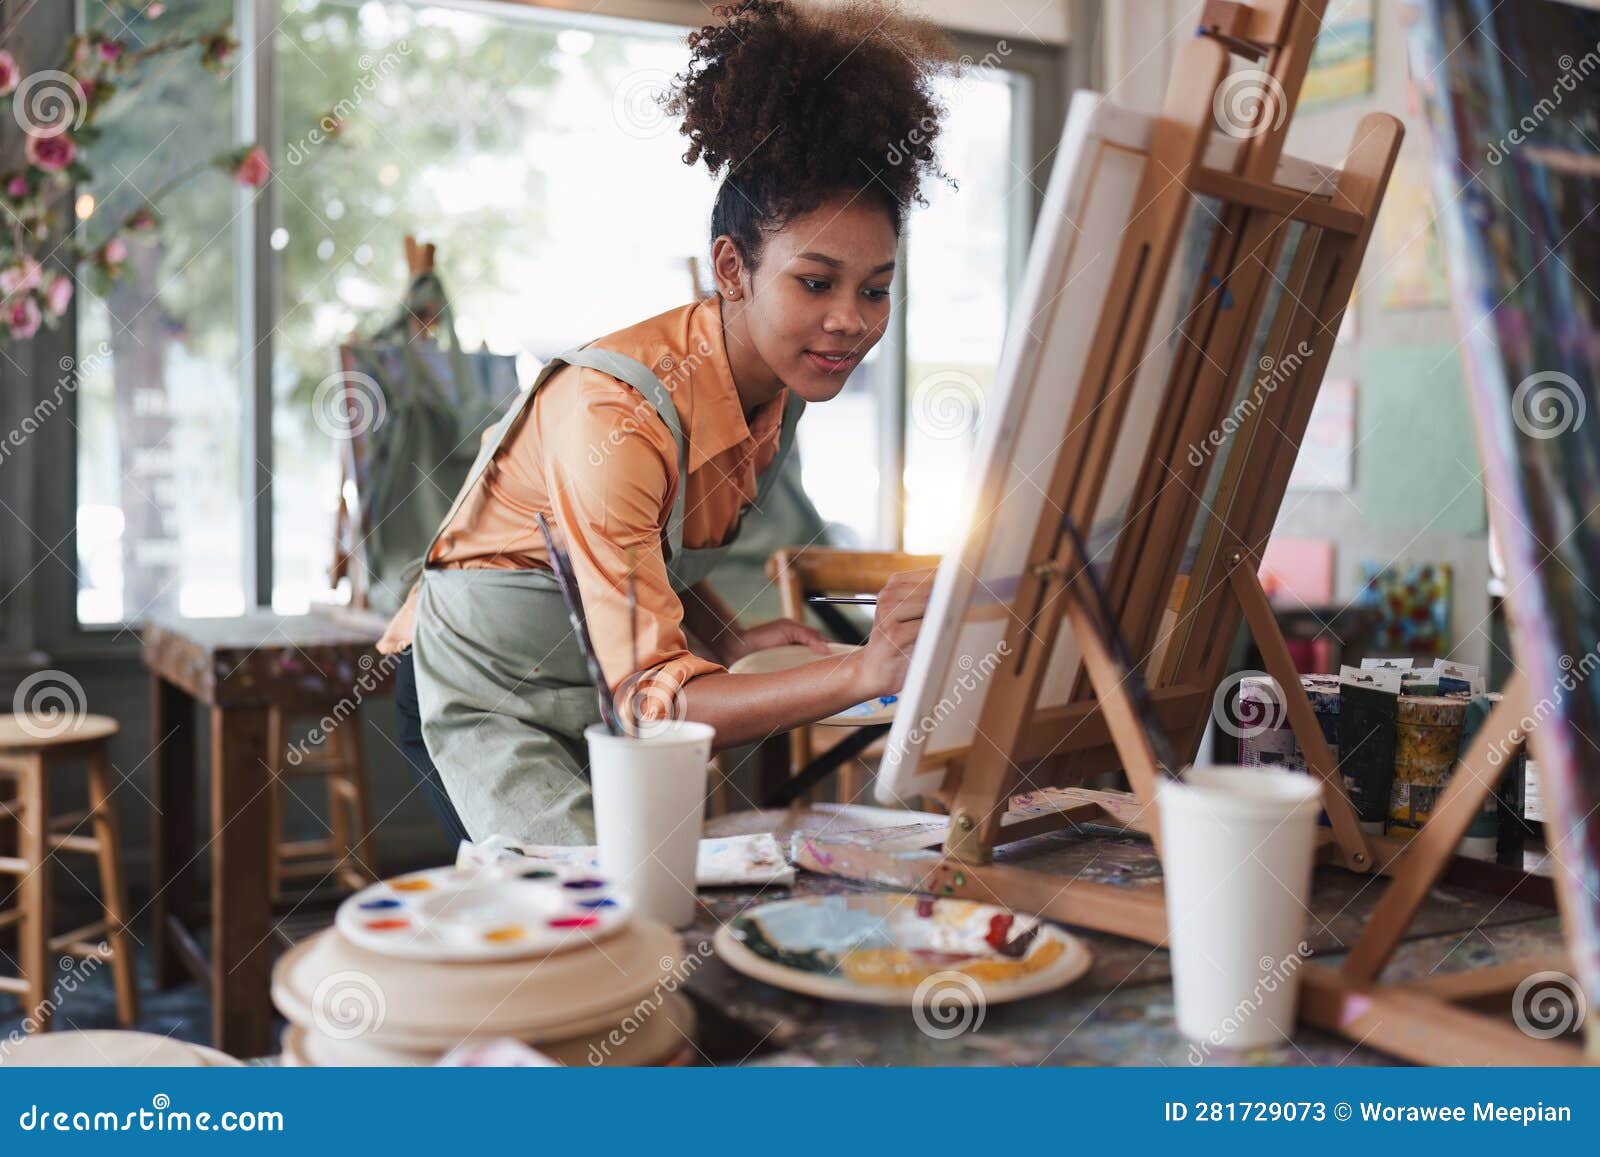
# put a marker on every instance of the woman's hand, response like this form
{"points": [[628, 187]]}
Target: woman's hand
{"points": [[883, 661], [777, 633]]}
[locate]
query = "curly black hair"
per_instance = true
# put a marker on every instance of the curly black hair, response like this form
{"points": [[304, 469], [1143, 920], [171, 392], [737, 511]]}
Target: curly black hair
{"points": [[799, 103]]}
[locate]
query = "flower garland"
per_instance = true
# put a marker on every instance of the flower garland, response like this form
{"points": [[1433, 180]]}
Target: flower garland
{"points": [[57, 110]]}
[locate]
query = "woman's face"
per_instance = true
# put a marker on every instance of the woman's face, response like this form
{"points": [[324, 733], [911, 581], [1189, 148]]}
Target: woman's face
{"points": [[819, 299]]}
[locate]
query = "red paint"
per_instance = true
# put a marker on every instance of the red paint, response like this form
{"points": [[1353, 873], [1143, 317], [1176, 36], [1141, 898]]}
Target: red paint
{"points": [[389, 925], [574, 921], [999, 926], [924, 906]]}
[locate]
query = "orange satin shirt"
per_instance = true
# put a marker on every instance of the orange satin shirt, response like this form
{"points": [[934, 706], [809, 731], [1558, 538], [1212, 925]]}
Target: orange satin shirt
{"points": [[594, 456]]}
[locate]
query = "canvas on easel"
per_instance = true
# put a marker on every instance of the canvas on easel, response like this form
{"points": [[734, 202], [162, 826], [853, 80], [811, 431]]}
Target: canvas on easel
{"points": [[1022, 681]]}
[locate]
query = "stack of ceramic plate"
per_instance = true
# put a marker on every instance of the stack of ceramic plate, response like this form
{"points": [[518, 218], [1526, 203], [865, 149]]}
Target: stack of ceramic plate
{"points": [[419, 964], [111, 1048]]}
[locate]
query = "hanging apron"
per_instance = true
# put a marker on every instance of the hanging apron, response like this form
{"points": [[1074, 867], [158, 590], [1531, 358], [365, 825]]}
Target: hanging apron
{"points": [[502, 685]]}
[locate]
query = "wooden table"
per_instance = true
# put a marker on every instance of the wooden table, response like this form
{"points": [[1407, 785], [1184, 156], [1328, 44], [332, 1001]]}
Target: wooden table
{"points": [[1121, 1013], [239, 668]]}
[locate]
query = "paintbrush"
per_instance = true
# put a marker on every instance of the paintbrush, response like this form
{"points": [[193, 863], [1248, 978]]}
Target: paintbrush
{"points": [[568, 582], [845, 600], [1129, 673]]}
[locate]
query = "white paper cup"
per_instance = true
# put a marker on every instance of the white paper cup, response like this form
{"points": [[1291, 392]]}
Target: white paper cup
{"points": [[1236, 851], [649, 798]]}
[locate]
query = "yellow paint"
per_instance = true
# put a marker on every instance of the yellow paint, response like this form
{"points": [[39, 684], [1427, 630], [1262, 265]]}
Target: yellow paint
{"points": [[411, 885], [504, 935], [898, 968]]}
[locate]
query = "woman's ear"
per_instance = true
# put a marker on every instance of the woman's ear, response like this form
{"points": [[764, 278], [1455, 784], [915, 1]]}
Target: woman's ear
{"points": [[727, 268]]}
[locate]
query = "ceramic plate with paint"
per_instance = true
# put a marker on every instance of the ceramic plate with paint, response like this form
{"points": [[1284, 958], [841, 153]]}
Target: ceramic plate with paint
{"points": [[879, 710], [482, 914], [900, 949]]}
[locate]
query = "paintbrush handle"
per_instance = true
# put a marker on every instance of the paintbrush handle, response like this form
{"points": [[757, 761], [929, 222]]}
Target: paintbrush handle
{"points": [[568, 583], [845, 600]]}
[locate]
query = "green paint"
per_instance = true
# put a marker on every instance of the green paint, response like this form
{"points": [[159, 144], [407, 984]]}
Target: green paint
{"points": [[961, 879]]}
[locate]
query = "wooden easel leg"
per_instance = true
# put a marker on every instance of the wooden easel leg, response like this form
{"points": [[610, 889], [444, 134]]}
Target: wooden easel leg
{"points": [[1430, 850], [1307, 732]]}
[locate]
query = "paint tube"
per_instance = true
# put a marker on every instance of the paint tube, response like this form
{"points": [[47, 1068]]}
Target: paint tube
{"points": [[1368, 701], [1458, 678]]}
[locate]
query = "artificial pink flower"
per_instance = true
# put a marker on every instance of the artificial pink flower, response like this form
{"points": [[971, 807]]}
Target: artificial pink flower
{"points": [[142, 220], [23, 277], [58, 295], [253, 168], [17, 188], [111, 50], [154, 11], [8, 72], [114, 251], [23, 317], [53, 153]]}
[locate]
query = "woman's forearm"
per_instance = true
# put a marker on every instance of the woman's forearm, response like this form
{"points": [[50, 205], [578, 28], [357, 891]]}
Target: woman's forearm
{"points": [[748, 708]]}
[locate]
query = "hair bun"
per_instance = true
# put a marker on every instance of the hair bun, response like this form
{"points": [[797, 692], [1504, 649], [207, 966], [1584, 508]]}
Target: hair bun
{"points": [[810, 99]]}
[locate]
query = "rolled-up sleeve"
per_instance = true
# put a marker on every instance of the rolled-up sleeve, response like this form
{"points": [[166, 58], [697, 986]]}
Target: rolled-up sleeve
{"points": [[611, 473]]}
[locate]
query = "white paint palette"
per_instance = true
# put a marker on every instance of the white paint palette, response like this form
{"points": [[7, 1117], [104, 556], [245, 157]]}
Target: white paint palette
{"points": [[492, 912]]}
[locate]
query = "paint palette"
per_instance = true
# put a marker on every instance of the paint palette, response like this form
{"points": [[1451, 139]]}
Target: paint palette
{"points": [[879, 710], [901, 949], [483, 913]]}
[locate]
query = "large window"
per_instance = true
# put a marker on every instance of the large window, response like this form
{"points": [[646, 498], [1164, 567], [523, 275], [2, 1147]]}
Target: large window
{"points": [[524, 143], [160, 484]]}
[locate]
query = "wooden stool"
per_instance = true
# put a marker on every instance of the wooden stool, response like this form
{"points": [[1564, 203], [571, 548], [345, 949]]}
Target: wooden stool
{"points": [[345, 855], [30, 747]]}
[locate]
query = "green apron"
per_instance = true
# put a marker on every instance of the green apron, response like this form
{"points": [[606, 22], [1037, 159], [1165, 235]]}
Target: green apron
{"points": [[501, 683]]}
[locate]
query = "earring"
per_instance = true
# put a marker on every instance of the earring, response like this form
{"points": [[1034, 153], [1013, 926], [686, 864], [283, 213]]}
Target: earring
{"points": [[731, 294]]}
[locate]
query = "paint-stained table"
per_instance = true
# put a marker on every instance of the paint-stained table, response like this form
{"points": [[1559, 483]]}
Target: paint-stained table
{"points": [[238, 669], [1120, 1013]]}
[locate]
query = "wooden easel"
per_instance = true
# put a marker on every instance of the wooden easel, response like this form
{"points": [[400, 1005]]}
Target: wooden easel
{"points": [[1185, 624]]}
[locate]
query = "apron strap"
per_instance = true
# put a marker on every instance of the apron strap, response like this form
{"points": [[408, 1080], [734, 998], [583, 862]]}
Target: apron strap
{"points": [[609, 362], [640, 378], [792, 410]]}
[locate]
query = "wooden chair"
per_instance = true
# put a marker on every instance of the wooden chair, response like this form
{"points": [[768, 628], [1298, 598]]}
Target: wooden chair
{"points": [[32, 747], [345, 855], [802, 571]]}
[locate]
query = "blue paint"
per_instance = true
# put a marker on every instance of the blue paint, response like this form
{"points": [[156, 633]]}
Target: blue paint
{"points": [[603, 902], [584, 885], [375, 904]]}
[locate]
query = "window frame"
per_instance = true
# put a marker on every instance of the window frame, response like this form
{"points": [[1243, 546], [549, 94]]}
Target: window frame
{"points": [[38, 538]]}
